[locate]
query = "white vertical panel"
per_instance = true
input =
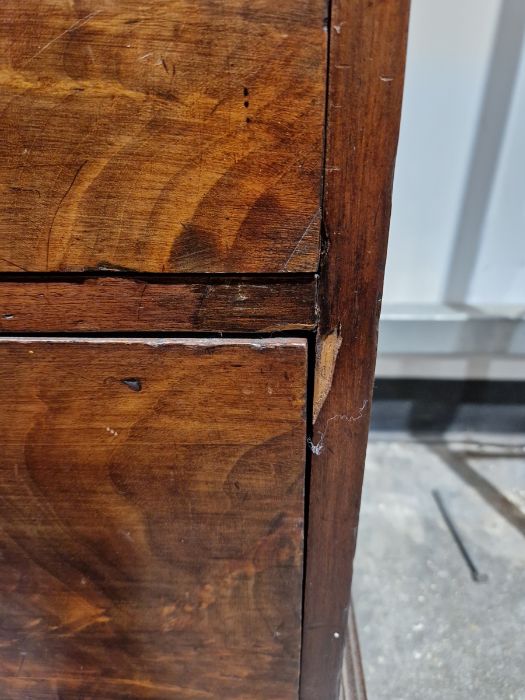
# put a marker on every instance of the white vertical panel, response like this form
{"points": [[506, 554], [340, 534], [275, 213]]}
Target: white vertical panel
{"points": [[499, 275], [449, 53]]}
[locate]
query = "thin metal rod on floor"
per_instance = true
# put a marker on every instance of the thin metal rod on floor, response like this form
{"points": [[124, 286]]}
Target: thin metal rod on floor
{"points": [[474, 571]]}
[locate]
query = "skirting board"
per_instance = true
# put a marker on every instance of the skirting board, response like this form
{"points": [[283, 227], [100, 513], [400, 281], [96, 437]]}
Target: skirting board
{"points": [[353, 680]]}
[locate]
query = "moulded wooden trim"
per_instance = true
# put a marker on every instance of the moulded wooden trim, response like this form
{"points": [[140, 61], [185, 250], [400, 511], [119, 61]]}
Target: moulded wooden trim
{"points": [[366, 68], [78, 303]]}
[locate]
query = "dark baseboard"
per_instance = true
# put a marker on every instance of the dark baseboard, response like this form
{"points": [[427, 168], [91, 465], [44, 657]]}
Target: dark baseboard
{"points": [[443, 406]]}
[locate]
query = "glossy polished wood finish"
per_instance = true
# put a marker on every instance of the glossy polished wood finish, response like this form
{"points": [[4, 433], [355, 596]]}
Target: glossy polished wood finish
{"points": [[151, 511], [366, 70], [75, 303], [161, 136]]}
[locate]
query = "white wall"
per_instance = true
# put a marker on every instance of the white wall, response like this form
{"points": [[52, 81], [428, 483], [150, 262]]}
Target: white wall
{"points": [[458, 220], [499, 272]]}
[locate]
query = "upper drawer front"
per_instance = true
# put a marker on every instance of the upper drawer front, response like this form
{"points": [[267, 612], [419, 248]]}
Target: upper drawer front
{"points": [[161, 135]]}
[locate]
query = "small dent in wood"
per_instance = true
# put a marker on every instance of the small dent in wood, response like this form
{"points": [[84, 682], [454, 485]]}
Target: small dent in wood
{"points": [[133, 383], [326, 356]]}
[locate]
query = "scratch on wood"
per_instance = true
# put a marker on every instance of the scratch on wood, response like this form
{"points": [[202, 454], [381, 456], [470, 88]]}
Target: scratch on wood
{"points": [[327, 351], [9, 262], [76, 25], [139, 305], [23, 655], [61, 202], [314, 221], [318, 447]]}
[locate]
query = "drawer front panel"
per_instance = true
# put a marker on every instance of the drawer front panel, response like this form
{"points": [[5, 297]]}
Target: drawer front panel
{"points": [[151, 518], [162, 136]]}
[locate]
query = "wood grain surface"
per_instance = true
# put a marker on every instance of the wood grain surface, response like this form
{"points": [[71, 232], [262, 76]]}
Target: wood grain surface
{"points": [[151, 519], [367, 60], [76, 303], [161, 135]]}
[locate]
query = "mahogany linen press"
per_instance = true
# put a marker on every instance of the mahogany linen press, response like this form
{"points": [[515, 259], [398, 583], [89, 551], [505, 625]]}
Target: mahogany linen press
{"points": [[195, 199]]}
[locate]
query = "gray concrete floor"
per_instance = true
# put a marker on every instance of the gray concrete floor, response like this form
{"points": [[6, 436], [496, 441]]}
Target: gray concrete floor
{"points": [[427, 630]]}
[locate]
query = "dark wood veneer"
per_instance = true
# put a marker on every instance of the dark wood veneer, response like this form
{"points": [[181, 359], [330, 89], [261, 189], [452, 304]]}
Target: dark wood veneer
{"points": [[151, 518], [161, 135]]}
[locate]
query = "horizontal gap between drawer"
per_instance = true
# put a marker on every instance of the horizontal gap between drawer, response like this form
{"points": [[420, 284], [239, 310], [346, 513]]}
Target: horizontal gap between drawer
{"points": [[160, 278]]}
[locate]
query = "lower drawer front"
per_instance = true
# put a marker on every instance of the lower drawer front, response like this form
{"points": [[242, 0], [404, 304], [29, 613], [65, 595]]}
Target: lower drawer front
{"points": [[151, 518]]}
